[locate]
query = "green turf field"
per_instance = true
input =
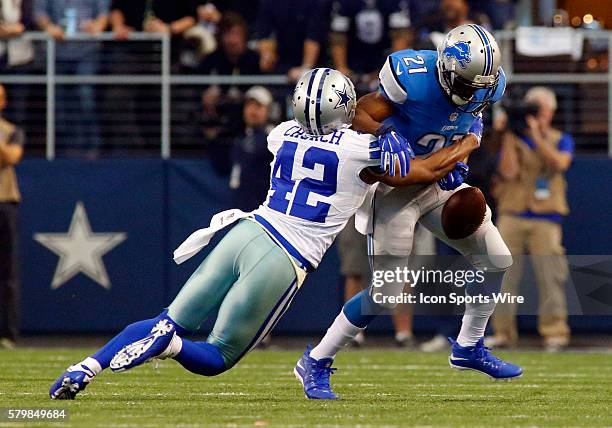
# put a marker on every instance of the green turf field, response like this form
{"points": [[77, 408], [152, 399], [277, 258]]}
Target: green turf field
{"points": [[379, 388]]}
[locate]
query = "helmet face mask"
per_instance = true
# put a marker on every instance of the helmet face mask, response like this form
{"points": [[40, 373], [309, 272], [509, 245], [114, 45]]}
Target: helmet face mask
{"points": [[469, 67], [324, 101], [462, 92]]}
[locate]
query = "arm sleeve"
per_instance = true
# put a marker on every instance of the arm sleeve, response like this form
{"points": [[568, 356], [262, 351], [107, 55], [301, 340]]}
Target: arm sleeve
{"points": [[566, 144], [390, 85]]}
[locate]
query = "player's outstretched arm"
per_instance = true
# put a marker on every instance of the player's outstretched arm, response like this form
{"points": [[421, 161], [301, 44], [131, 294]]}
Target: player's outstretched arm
{"points": [[372, 110], [430, 170]]}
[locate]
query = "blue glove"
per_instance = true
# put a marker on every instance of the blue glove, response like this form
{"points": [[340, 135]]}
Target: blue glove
{"points": [[455, 178], [394, 148]]}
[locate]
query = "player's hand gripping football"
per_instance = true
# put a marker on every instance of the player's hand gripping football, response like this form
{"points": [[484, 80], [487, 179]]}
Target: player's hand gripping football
{"points": [[455, 178], [394, 148]]}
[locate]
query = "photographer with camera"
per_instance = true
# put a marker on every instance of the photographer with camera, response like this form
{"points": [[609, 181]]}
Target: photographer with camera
{"points": [[531, 202]]}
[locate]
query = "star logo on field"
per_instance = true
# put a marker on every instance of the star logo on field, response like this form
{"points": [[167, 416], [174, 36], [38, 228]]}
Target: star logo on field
{"points": [[80, 250], [343, 100]]}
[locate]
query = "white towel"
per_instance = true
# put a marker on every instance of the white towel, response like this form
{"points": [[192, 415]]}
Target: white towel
{"points": [[201, 237], [546, 41]]}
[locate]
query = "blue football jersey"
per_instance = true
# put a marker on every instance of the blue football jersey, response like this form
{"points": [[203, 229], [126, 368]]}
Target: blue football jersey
{"points": [[423, 113]]}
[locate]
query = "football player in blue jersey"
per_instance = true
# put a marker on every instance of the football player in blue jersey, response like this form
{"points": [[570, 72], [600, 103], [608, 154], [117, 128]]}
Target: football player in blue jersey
{"points": [[321, 173], [434, 99]]}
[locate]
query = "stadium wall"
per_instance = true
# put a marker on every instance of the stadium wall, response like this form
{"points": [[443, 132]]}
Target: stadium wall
{"points": [[158, 203]]}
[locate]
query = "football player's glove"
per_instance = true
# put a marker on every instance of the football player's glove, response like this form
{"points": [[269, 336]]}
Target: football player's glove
{"points": [[455, 178], [394, 148]]}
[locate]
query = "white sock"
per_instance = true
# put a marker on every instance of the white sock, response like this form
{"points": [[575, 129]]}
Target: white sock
{"points": [[338, 335], [474, 322], [173, 349], [88, 363]]}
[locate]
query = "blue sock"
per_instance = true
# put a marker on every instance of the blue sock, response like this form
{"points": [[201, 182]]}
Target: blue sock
{"points": [[360, 310], [201, 358], [130, 334]]}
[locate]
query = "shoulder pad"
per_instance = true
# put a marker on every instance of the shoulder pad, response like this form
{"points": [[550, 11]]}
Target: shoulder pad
{"points": [[390, 84]]}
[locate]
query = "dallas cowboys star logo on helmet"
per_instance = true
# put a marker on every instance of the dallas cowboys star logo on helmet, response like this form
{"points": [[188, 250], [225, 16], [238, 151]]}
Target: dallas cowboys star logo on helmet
{"points": [[344, 99]]}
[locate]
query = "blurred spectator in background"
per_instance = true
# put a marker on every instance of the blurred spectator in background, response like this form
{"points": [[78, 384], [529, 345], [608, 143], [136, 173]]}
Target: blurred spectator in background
{"points": [[62, 18], [484, 161], [499, 12], [250, 176], [201, 40], [290, 35], [531, 202], [16, 54], [211, 10], [223, 104], [77, 125], [364, 32], [209, 14], [232, 56], [13, 52], [11, 150], [154, 16], [139, 105], [451, 14]]}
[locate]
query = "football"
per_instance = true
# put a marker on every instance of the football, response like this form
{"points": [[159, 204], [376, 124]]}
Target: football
{"points": [[463, 213]]}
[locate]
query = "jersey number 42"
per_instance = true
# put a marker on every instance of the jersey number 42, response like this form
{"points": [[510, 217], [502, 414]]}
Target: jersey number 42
{"points": [[290, 196]]}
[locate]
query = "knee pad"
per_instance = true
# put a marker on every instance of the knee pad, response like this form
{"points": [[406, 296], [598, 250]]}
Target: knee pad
{"points": [[492, 254]]}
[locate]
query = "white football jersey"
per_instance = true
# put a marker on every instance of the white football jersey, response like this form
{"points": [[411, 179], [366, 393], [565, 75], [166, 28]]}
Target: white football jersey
{"points": [[314, 187]]}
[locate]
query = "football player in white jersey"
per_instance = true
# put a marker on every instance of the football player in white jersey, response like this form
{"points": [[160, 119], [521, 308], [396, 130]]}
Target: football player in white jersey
{"points": [[434, 99], [319, 178]]}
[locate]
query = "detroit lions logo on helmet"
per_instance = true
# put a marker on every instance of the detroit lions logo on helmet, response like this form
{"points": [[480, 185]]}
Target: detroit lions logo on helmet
{"points": [[460, 51]]}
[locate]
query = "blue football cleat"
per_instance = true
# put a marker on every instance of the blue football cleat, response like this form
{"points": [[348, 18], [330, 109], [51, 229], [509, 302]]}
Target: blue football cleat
{"points": [[314, 376], [479, 358], [155, 345], [74, 380]]}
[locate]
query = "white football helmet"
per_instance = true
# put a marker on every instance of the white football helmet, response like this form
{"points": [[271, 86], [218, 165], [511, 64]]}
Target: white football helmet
{"points": [[324, 101]]}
